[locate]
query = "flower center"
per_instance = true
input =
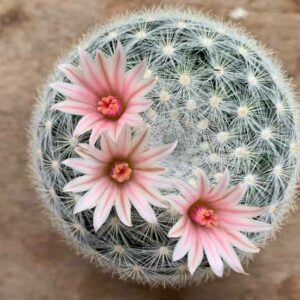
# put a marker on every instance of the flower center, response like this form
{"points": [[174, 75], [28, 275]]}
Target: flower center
{"points": [[203, 215], [121, 171], [110, 106]]}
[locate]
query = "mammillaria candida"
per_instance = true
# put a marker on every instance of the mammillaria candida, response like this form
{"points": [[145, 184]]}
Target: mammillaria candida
{"points": [[212, 89]]}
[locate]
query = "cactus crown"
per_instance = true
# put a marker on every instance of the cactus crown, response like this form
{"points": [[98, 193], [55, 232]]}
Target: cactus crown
{"points": [[219, 95]]}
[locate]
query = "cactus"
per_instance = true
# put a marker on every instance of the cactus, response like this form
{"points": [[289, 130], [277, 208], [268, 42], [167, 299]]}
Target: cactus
{"points": [[220, 95]]}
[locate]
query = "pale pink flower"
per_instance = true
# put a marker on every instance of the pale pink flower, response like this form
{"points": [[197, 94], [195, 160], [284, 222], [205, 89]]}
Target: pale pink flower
{"points": [[211, 222], [122, 173], [104, 94]]}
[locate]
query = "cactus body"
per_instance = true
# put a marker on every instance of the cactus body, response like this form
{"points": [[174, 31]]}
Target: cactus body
{"points": [[219, 95]]}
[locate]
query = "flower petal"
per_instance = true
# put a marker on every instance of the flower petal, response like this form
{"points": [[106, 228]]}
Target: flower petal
{"points": [[123, 208], [246, 225], [184, 243], [143, 207], [138, 106], [118, 68], [74, 107], [124, 140], [151, 156], [179, 203], [203, 186], [232, 197], [242, 211], [212, 254], [104, 207], [195, 255], [154, 180], [103, 70], [240, 241], [139, 142], [82, 165], [88, 151], [178, 228], [86, 123], [75, 92], [73, 74], [97, 130], [226, 251], [221, 187], [140, 89], [134, 75], [81, 184], [89, 72], [186, 190], [92, 197]]}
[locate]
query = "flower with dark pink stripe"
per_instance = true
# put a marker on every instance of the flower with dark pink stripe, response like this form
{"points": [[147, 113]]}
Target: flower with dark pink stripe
{"points": [[123, 173], [212, 222], [106, 95]]}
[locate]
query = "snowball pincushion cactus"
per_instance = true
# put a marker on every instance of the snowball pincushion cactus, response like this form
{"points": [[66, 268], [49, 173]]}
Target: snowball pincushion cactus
{"points": [[188, 79]]}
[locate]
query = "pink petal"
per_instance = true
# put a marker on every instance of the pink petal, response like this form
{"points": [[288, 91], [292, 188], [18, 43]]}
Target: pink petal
{"points": [[97, 130], [246, 225], [108, 145], [123, 208], [179, 203], [232, 197], [151, 156], [134, 76], [139, 143], [212, 254], [184, 243], [86, 123], [150, 169], [242, 211], [140, 89], [226, 251], [92, 197], [114, 129], [89, 72], [124, 140], [195, 255], [147, 193], [221, 187], [74, 107], [81, 184], [240, 241], [186, 190], [104, 207], [203, 186], [178, 228], [131, 119], [142, 206], [91, 152], [154, 180], [82, 165], [75, 92], [103, 70], [138, 106], [73, 74], [118, 68]]}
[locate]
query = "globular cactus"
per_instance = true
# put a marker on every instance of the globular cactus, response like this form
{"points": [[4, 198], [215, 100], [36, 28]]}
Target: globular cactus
{"points": [[219, 95]]}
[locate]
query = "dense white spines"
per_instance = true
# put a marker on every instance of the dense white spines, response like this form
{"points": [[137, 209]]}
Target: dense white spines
{"points": [[219, 95]]}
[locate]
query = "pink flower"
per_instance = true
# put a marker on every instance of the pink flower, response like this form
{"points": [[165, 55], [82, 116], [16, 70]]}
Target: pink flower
{"points": [[104, 94], [122, 173], [211, 222]]}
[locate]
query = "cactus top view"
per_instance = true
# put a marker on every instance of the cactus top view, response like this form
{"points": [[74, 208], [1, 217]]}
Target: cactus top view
{"points": [[165, 147]]}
